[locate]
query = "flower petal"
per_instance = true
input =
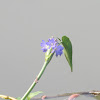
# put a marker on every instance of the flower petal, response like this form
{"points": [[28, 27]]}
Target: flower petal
{"points": [[59, 50]]}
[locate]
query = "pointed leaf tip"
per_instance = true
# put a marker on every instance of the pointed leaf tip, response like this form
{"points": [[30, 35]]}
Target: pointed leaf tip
{"points": [[67, 50]]}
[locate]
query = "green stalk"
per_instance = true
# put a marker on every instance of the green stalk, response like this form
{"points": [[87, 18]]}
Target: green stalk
{"points": [[47, 60], [34, 83]]}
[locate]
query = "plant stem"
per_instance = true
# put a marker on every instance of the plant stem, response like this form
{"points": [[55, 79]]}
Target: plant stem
{"points": [[35, 81]]}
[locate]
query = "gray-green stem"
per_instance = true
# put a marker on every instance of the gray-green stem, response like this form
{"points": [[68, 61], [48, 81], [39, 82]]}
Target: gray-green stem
{"points": [[35, 81]]}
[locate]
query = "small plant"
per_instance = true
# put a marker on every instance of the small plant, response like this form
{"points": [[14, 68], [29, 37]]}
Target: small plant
{"points": [[52, 47]]}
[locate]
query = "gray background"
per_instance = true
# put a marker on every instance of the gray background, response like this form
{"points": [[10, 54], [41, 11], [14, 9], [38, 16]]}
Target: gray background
{"points": [[25, 23]]}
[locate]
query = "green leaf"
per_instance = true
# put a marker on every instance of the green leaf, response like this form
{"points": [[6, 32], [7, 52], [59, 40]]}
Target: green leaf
{"points": [[67, 50], [31, 95], [18, 98]]}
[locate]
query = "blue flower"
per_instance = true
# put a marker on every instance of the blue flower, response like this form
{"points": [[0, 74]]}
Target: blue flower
{"points": [[59, 50], [53, 45], [44, 46]]}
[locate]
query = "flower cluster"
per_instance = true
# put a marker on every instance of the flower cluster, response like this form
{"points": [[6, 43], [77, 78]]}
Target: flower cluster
{"points": [[53, 45]]}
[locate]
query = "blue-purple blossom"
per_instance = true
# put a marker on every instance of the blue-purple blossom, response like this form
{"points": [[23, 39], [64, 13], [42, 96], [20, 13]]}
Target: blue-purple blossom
{"points": [[52, 44], [44, 46], [59, 50]]}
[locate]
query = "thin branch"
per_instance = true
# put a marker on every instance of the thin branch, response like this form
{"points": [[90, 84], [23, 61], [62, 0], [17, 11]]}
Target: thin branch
{"points": [[7, 97], [90, 94]]}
